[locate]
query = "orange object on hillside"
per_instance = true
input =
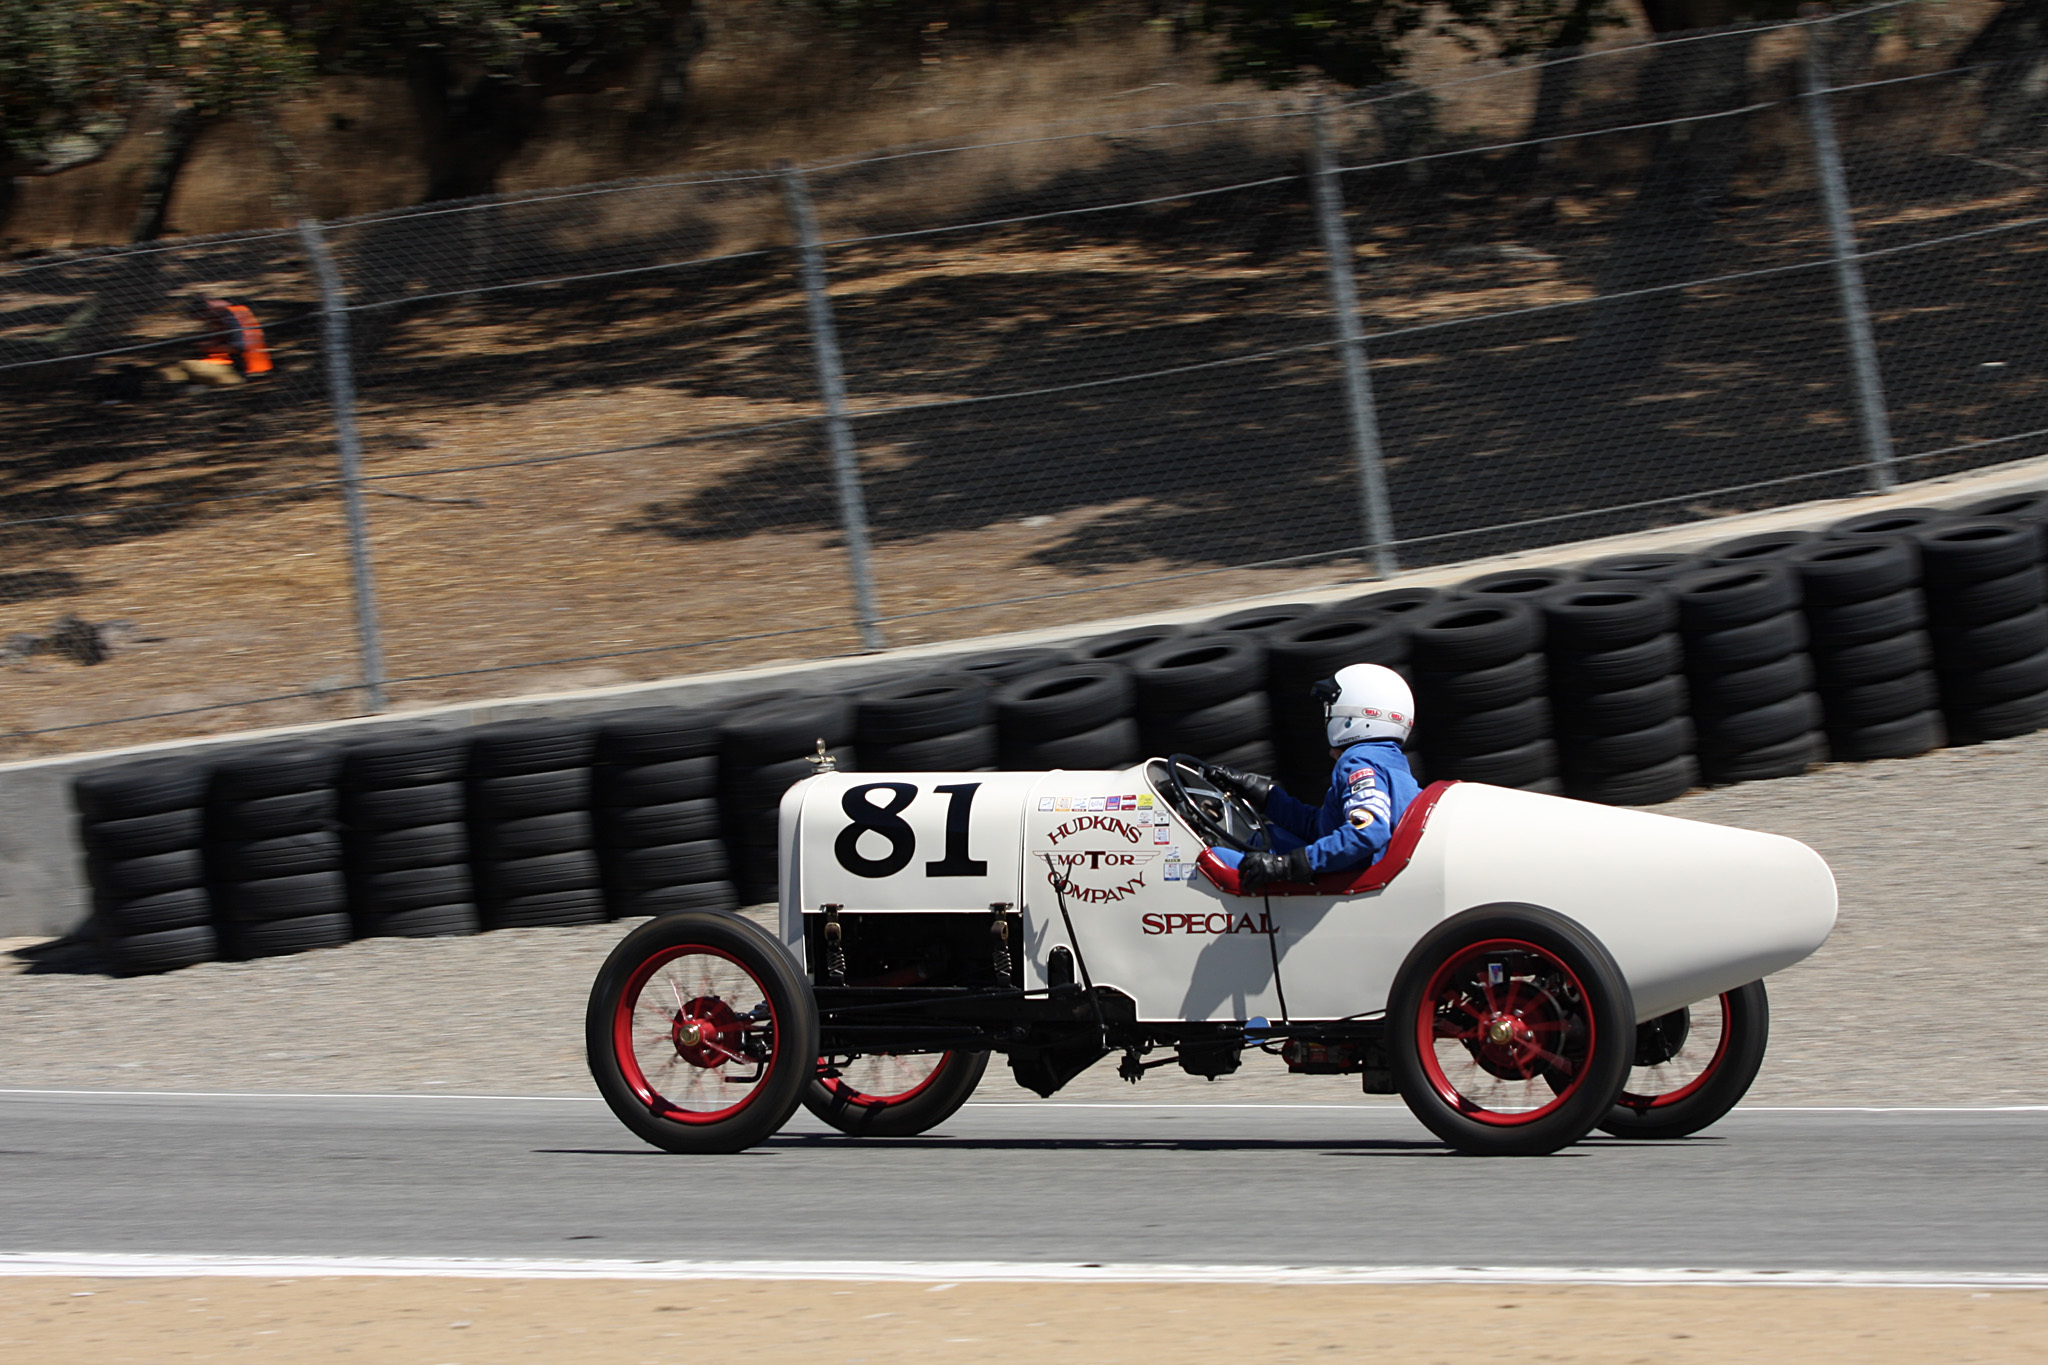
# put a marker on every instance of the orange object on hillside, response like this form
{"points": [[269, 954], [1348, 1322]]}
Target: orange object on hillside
{"points": [[237, 337]]}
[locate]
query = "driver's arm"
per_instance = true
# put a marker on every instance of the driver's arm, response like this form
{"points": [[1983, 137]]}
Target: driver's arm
{"points": [[1291, 815], [1365, 825]]}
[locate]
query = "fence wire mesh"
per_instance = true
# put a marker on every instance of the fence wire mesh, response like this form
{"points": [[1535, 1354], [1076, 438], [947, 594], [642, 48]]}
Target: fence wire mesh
{"points": [[1089, 371]]}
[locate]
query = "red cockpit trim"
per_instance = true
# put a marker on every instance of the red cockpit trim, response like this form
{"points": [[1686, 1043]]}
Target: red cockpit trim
{"points": [[1372, 877]]}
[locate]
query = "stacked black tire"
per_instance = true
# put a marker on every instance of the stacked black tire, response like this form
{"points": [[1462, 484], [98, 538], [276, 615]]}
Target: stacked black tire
{"points": [[533, 845], [405, 836], [764, 751], [1205, 694], [143, 830], [273, 851], [1074, 716], [1752, 679], [660, 836], [942, 722], [1871, 653], [1985, 591], [1618, 692], [1531, 582], [1481, 693], [1640, 569], [1302, 654]]}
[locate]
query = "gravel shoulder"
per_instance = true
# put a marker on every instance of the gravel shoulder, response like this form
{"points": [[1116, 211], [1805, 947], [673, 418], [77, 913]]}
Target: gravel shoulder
{"points": [[1941, 944]]}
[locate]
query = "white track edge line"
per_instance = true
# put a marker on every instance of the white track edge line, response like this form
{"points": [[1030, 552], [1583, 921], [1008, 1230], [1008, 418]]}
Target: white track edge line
{"points": [[95, 1265]]}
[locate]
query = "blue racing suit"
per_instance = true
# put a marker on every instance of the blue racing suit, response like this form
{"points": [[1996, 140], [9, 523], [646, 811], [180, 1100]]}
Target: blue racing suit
{"points": [[1369, 789]]}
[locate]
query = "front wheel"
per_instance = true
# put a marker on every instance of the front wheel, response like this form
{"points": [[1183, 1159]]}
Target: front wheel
{"points": [[1692, 1066], [1511, 1031], [700, 1033], [888, 1094]]}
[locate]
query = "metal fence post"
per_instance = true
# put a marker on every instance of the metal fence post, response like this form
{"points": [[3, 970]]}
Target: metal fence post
{"points": [[1834, 195], [853, 511], [1365, 426], [341, 392]]}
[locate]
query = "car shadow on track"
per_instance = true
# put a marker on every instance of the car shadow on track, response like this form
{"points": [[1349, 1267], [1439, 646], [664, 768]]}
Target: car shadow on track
{"points": [[836, 1142]]}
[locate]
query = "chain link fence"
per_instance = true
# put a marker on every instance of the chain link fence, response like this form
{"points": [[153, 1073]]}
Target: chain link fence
{"points": [[627, 431]]}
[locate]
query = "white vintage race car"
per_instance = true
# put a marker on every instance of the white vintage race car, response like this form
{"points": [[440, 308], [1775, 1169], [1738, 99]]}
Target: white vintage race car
{"points": [[1521, 969]]}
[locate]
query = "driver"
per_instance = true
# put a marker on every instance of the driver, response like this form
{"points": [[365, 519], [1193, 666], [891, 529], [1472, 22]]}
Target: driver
{"points": [[1368, 711]]}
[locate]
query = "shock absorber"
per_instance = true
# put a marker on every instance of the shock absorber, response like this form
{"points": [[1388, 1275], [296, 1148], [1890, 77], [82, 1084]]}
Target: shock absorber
{"points": [[835, 948], [999, 933]]}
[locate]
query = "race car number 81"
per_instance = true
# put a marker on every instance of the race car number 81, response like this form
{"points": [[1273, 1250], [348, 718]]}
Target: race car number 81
{"points": [[886, 819]]}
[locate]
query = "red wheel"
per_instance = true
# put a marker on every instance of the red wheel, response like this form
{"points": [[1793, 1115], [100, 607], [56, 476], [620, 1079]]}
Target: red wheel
{"points": [[1510, 1031], [1693, 1065], [893, 1094], [695, 1029]]}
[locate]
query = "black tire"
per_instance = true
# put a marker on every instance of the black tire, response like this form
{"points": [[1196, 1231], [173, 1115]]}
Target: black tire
{"points": [[1652, 786], [1227, 725], [678, 822], [1612, 669], [2027, 506], [1516, 767], [156, 914], [1655, 566], [1570, 981], [1518, 582], [1600, 755], [1194, 671], [761, 789], [278, 938], [1719, 598], [1849, 708], [1008, 665], [1875, 661], [1876, 618], [667, 900], [1458, 637], [1744, 647], [382, 894], [510, 748], [1994, 599], [576, 870], [965, 751], [1967, 550], [134, 790], [1069, 700], [788, 1045], [1899, 521], [1458, 694], [1763, 726], [164, 951], [1905, 738], [548, 909], [1645, 1114], [1745, 689], [527, 794], [2001, 719], [1259, 756], [431, 921], [786, 728], [1762, 546], [658, 734], [1392, 601], [404, 807], [276, 898], [144, 836], [274, 770], [274, 817], [413, 758], [836, 1101], [1834, 571], [1115, 745], [1486, 732], [644, 869], [1260, 621], [125, 878], [2006, 682], [920, 708], [1623, 710], [294, 855], [1788, 759], [536, 836], [1973, 648], [1121, 647], [1308, 651], [656, 784], [1590, 617]]}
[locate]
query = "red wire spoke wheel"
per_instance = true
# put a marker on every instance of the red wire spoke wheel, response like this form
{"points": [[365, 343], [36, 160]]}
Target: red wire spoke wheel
{"points": [[1511, 1031], [1692, 1066], [893, 1094], [698, 1033]]}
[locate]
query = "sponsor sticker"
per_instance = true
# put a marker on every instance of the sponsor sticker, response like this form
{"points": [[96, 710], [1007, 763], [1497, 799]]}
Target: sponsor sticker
{"points": [[1097, 802], [1130, 803], [1144, 800], [1114, 803], [1045, 803], [1364, 778], [1063, 803], [1161, 834]]}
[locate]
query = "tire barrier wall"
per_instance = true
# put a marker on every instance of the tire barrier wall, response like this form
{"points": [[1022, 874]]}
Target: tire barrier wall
{"points": [[1625, 680]]}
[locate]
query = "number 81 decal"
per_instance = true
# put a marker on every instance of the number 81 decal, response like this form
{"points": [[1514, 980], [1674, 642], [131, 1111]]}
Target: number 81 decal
{"points": [[886, 820]]}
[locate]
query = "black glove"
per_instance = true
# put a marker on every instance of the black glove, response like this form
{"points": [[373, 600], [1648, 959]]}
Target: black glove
{"points": [[1254, 870], [1251, 786]]}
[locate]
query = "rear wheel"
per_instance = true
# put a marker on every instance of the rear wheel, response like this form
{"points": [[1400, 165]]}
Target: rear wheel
{"points": [[1511, 1031], [1692, 1066], [890, 1094], [700, 1033]]}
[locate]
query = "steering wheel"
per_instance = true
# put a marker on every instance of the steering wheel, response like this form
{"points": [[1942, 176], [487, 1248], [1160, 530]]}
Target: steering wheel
{"points": [[1216, 812]]}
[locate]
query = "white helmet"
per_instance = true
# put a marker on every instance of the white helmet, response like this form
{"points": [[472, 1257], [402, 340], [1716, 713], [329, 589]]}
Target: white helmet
{"points": [[1367, 701]]}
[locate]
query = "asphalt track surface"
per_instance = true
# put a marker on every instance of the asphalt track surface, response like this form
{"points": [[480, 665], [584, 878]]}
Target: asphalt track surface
{"points": [[1352, 1185]]}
